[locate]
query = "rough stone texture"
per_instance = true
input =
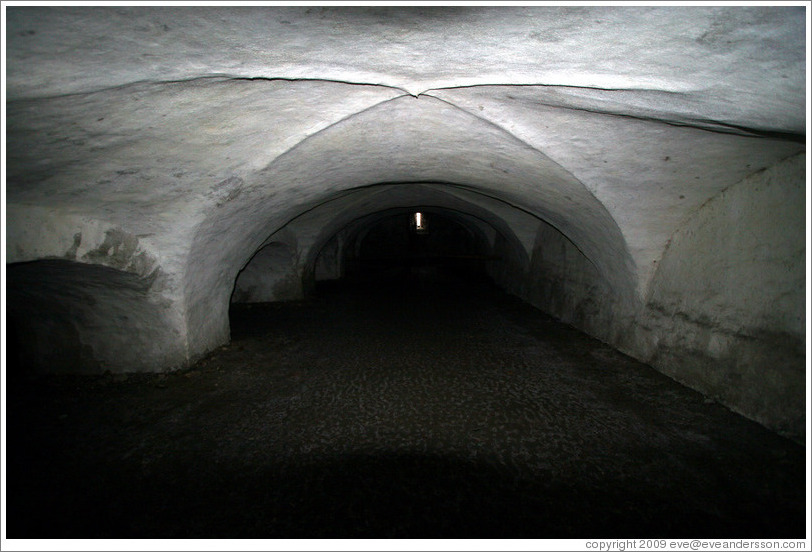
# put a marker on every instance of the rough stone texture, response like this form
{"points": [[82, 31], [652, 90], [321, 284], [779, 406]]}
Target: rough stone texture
{"points": [[581, 141]]}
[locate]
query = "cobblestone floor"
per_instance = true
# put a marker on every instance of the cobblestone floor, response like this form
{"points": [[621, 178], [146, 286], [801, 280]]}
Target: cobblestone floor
{"points": [[409, 412]]}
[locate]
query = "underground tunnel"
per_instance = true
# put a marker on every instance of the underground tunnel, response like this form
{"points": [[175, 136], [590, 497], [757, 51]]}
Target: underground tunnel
{"points": [[401, 272]]}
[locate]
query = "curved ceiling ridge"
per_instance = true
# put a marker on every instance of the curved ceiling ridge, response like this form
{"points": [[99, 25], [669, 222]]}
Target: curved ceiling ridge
{"points": [[333, 124], [417, 139], [215, 77]]}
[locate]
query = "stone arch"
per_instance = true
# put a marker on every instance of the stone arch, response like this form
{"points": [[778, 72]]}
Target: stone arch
{"points": [[353, 211], [400, 141]]}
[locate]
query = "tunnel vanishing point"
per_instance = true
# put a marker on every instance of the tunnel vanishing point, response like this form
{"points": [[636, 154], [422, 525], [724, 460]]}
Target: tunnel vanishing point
{"points": [[637, 172]]}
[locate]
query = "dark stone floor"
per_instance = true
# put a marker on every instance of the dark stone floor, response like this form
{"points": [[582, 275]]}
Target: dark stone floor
{"points": [[405, 410]]}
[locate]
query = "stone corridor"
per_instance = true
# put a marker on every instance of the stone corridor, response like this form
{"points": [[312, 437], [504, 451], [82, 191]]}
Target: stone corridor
{"points": [[409, 407]]}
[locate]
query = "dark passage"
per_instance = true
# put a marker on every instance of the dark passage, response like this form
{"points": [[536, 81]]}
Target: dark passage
{"points": [[394, 248], [417, 407]]}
